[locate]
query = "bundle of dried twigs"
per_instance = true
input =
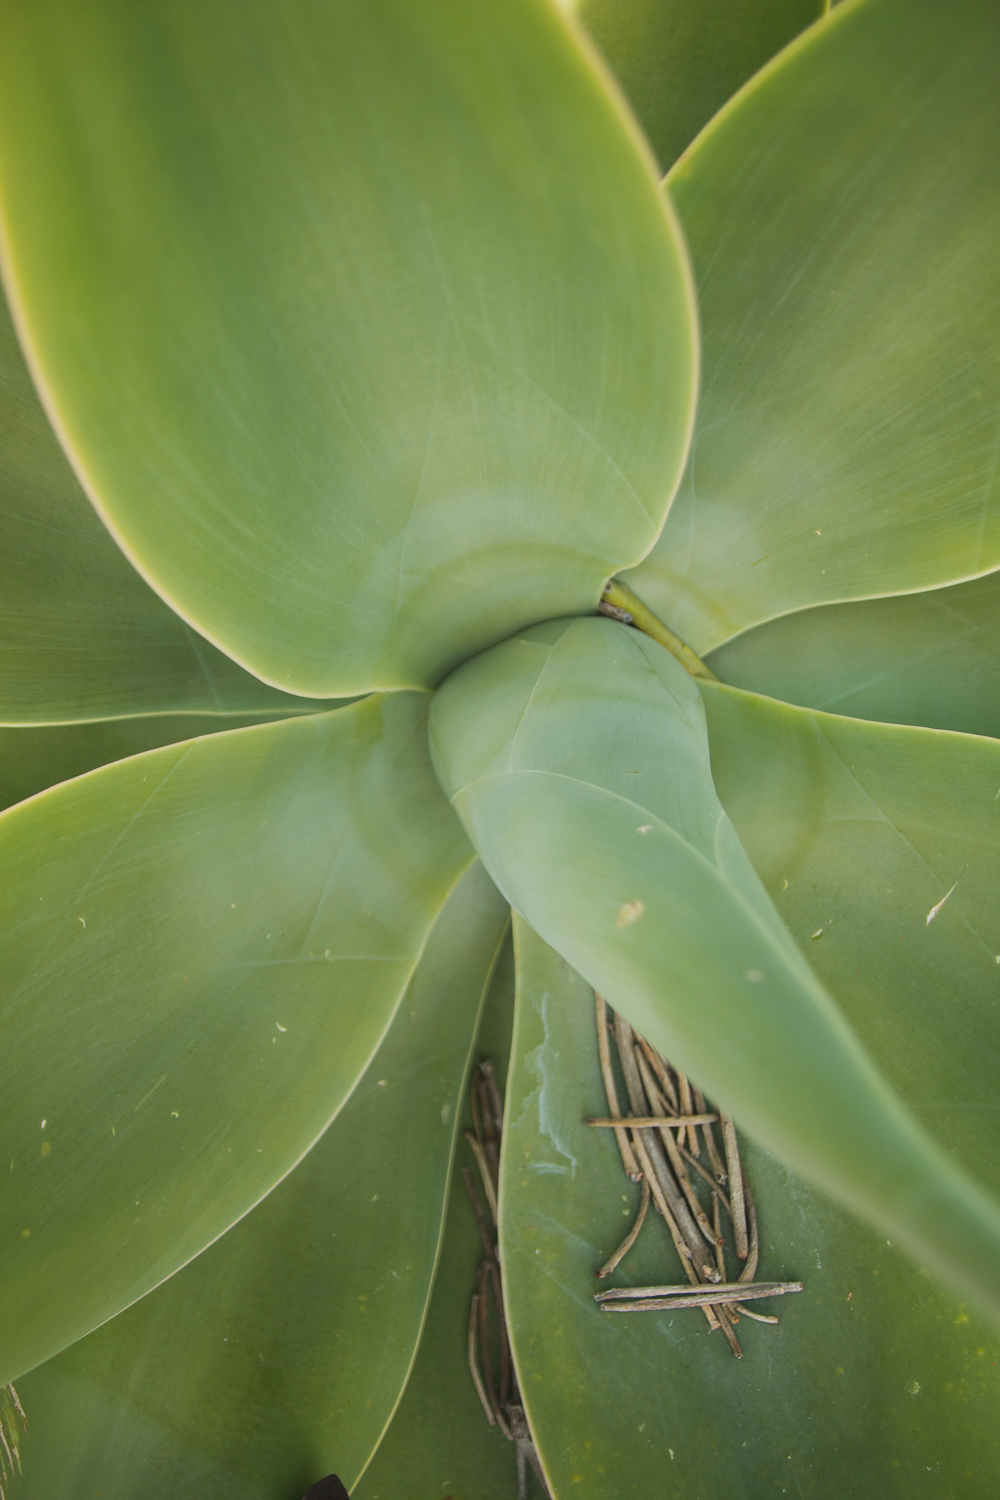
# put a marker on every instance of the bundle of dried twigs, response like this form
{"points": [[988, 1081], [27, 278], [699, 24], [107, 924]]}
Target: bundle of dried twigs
{"points": [[660, 1139], [494, 1377], [12, 1423]]}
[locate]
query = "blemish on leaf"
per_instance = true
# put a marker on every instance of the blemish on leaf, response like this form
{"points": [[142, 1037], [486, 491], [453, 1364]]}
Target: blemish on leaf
{"points": [[629, 913]]}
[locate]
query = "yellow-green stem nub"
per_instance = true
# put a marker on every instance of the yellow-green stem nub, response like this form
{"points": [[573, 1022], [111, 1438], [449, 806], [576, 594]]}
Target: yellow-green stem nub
{"points": [[620, 597]]}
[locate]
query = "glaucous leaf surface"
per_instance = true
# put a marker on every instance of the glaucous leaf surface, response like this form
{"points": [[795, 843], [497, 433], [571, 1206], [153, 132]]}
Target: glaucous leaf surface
{"points": [[840, 214], [439, 1443], [875, 1384], [35, 757], [931, 658], [860, 832], [201, 947], [83, 636], [279, 1354], [577, 757], [679, 61], [365, 323]]}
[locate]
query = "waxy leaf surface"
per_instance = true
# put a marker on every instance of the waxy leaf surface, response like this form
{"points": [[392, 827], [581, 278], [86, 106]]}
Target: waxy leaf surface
{"points": [[841, 217], [83, 636], [314, 1302], [201, 948], [34, 757], [577, 756], [365, 323], [880, 846], [680, 60], [931, 658], [875, 1384]]}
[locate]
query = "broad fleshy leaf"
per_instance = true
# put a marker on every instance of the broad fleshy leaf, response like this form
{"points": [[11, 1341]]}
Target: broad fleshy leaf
{"points": [[880, 847], [201, 947], [35, 757], [83, 636], [679, 61], [875, 1384], [439, 1443], [841, 215], [365, 323], [313, 1303], [578, 759], [931, 658]]}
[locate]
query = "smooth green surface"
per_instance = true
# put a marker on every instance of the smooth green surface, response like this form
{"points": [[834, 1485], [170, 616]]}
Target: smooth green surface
{"points": [[875, 1385], [366, 323], [440, 1446], [36, 757], [841, 215], [931, 658], [201, 948], [313, 1303], [591, 803], [859, 831], [680, 60], [83, 637]]}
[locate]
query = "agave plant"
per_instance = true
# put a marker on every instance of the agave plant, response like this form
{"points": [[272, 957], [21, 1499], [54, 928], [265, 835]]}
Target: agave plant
{"points": [[364, 347]]}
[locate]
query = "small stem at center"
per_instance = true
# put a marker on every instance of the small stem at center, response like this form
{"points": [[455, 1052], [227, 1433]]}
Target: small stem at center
{"points": [[620, 598]]}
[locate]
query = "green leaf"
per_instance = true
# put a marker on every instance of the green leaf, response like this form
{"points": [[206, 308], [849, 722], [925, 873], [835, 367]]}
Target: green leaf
{"points": [[83, 636], [202, 947], [365, 323], [313, 1304], [840, 214], [679, 61], [859, 831], [34, 757], [874, 1384], [931, 658], [577, 757], [439, 1443]]}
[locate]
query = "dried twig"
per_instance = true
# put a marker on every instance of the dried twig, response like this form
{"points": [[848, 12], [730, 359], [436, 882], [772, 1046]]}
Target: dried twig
{"points": [[631, 1237], [736, 1199], [499, 1394], [604, 1052], [661, 1132]]}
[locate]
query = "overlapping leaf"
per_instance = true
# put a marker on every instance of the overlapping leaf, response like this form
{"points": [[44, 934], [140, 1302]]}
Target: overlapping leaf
{"points": [[201, 947], [83, 636], [875, 1384], [841, 218], [880, 847], [365, 323], [578, 759], [679, 61], [931, 658], [36, 757], [312, 1305]]}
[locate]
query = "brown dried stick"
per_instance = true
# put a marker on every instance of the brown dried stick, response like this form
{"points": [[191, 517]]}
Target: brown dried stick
{"points": [[736, 1198], [477, 1379], [604, 1051], [662, 1072], [687, 1108], [676, 1161], [718, 1166], [750, 1269], [631, 1237], [662, 1122], [654, 1153]]}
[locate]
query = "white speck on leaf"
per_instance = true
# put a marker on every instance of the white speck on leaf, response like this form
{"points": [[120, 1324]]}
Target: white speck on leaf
{"points": [[644, 828], [752, 976], [81, 921], [629, 913], [280, 1027], [445, 1113]]}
